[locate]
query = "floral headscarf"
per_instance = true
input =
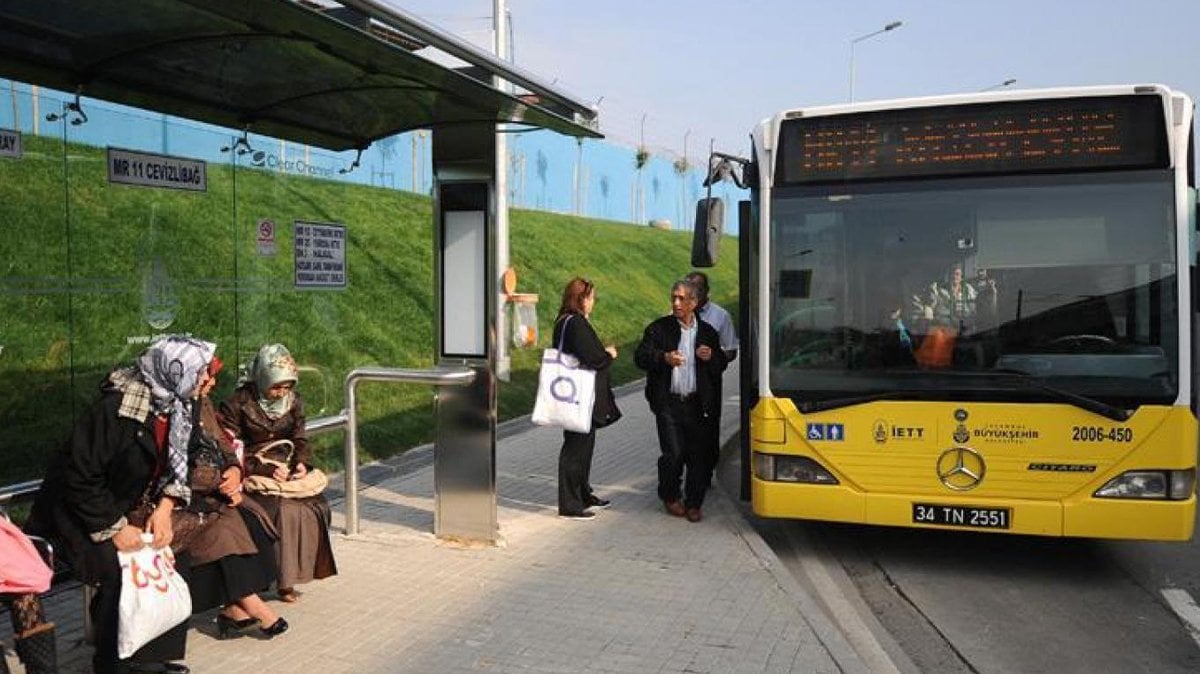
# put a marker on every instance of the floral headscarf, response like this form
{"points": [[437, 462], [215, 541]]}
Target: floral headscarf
{"points": [[274, 365], [171, 368]]}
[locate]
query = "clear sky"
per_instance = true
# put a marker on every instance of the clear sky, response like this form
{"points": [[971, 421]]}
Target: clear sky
{"points": [[716, 68]]}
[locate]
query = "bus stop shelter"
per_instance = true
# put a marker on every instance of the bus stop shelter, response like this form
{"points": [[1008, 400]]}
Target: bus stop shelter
{"points": [[339, 77]]}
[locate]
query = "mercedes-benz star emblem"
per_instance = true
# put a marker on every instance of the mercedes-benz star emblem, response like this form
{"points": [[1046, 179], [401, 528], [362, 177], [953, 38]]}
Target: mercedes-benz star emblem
{"points": [[961, 468]]}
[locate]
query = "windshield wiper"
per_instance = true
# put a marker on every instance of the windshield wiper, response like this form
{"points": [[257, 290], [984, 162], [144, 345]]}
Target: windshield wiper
{"points": [[1083, 402], [834, 403]]}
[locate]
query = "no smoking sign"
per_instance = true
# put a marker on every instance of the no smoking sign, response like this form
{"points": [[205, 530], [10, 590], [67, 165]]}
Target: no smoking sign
{"points": [[266, 237]]}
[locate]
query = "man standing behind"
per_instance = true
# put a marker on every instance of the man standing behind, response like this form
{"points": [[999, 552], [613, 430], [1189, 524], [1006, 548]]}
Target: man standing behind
{"points": [[683, 361], [715, 315]]}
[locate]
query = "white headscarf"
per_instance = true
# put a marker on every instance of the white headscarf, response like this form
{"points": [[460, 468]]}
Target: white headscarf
{"points": [[274, 365], [171, 367]]}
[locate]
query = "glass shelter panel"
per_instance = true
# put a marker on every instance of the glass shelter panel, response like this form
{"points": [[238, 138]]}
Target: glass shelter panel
{"points": [[35, 284], [151, 237], [130, 224], [332, 268]]}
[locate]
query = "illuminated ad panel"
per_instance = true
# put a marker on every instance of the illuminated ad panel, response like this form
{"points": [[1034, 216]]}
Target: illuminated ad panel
{"points": [[1054, 135]]}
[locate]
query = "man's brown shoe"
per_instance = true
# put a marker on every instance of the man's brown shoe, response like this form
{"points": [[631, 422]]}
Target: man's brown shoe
{"points": [[674, 507], [693, 515]]}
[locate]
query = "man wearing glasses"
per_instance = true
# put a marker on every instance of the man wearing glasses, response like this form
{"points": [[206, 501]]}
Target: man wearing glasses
{"points": [[683, 361]]}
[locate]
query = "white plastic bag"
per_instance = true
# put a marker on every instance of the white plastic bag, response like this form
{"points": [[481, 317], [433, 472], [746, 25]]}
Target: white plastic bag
{"points": [[566, 392], [154, 597]]}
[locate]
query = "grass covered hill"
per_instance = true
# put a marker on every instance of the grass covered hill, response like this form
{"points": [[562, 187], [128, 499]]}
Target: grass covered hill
{"points": [[89, 270]]}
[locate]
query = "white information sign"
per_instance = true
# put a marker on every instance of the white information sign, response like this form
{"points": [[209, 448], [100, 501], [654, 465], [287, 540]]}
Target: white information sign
{"points": [[128, 167], [266, 238], [320, 254], [10, 143], [464, 261]]}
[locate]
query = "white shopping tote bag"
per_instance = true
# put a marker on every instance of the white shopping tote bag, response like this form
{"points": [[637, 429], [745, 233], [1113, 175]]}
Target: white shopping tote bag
{"points": [[154, 597], [566, 392]]}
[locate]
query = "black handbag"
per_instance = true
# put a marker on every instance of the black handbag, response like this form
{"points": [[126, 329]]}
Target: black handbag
{"points": [[206, 463]]}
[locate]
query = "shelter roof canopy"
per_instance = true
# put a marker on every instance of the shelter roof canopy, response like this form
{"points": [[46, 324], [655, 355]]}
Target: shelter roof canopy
{"points": [[273, 66]]}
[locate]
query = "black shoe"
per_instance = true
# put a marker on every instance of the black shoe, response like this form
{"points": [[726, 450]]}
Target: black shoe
{"points": [[594, 501], [275, 629], [585, 515], [227, 627]]}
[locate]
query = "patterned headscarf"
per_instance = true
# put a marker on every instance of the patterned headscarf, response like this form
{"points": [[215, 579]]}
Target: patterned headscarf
{"points": [[274, 365], [171, 368]]}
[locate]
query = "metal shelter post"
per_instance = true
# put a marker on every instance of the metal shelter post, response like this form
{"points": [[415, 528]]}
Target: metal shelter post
{"points": [[464, 171]]}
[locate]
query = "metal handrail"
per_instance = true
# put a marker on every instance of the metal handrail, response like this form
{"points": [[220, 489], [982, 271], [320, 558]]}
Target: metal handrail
{"points": [[15, 493], [436, 377]]}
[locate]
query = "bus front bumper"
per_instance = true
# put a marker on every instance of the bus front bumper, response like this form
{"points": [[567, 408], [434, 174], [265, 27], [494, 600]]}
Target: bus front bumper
{"points": [[1086, 518]]}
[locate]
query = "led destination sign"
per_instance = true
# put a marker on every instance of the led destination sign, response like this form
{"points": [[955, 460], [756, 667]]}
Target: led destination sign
{"points": [[1108, 132]]}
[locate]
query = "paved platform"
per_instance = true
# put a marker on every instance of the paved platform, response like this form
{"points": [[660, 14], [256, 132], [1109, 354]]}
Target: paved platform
{"points": [[633, 590]]}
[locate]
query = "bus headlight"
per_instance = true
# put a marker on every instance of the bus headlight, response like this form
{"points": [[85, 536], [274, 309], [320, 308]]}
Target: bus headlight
{"points": [[1172, 485], [783, 468]]}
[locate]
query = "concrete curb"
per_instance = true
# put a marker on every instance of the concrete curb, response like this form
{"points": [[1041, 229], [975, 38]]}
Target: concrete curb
{"points": [[830, 636]]}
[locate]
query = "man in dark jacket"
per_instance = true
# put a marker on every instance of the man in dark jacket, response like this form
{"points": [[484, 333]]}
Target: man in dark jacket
{"points": [[683, 361]]}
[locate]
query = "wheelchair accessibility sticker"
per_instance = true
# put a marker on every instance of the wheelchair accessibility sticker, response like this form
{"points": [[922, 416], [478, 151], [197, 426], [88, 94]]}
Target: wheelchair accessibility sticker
{"points": [[827, 432]]}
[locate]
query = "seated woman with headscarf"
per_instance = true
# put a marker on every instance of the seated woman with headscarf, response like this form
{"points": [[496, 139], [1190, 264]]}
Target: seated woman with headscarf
{"points": [[127, 456], [233, 555], [126, 470], [266, 409]]}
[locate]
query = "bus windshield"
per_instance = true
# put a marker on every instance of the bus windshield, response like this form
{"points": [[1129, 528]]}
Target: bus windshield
{"points": [[929, 289]]}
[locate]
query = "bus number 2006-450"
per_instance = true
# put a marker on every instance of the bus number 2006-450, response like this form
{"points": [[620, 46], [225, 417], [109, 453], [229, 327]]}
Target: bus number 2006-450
{"points": [[1101, 434]]}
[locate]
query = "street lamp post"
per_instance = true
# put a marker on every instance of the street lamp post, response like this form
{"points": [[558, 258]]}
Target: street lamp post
{"points": [[891, 26]]}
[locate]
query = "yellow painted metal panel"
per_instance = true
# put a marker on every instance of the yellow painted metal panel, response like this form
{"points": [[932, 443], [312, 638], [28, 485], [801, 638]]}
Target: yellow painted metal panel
{"points": [[770, 431], [1042, 460], [1124, 518]]}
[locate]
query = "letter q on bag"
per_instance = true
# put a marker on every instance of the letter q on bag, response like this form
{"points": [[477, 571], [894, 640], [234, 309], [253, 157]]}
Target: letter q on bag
{"points": [[564, 390]]}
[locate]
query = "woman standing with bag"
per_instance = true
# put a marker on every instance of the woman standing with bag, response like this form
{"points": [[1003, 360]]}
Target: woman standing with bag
{"points": [[266, 409], [577, 338]]}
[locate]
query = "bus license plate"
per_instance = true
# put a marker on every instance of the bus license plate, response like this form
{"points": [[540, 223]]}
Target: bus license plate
{"points": [[961, 516]]}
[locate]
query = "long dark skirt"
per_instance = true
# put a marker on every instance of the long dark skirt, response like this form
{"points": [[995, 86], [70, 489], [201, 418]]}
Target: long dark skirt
{"points": [[303, 550], [232, 577]]}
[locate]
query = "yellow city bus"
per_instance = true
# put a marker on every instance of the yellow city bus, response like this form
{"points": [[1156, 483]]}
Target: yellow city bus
{"points": [[974, 312]]}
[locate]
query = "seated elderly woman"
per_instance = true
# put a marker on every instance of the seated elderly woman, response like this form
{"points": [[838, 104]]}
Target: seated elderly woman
{"points": [[264, 410], [128, 468], [232, 555]]}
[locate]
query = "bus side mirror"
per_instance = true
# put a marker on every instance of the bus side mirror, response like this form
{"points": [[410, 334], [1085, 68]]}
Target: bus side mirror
{"points": [[706, 232]]}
